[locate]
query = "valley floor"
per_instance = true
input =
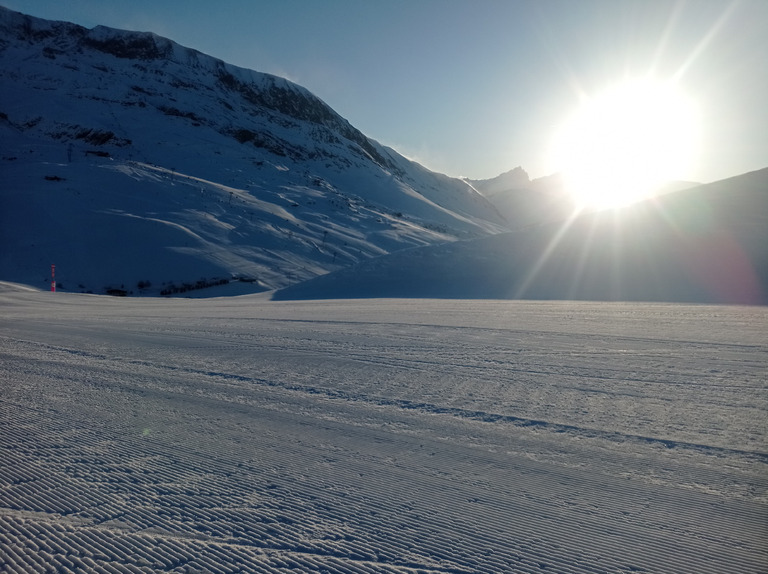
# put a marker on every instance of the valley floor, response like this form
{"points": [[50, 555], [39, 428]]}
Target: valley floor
{"points": [[243, 435]]}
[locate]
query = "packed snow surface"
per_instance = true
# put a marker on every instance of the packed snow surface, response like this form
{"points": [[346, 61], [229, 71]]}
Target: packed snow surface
{"points": [[247, 435]]}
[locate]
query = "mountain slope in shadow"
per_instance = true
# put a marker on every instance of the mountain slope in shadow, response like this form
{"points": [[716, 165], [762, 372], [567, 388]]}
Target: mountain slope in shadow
{"points": [[708, 244]]}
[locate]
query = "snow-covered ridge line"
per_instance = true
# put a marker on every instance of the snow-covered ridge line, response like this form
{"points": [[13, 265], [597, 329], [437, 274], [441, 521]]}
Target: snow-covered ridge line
{"points": [[128, 44], [270, 91]]}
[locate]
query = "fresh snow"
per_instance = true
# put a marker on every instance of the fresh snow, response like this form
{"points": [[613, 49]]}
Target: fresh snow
{"points": [[244, 435]]}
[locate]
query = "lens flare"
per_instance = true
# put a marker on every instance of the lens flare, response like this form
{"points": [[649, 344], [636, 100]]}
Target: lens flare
{"points": [[622, 144]]}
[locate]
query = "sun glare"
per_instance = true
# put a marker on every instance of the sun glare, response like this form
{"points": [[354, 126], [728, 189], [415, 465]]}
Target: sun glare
{"points": [[623, 143]]}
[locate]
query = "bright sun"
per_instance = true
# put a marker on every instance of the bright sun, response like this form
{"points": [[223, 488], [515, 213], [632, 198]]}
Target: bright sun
{"points": [[623, 143]]}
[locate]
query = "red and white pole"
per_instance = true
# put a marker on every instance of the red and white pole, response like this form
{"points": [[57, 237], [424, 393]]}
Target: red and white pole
{"points": [[53, 279]]}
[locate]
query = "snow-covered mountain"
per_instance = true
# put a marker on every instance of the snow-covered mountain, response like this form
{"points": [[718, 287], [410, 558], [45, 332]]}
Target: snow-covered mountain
{"points": [[516, 178], [707, 244], [127, 160], [523, 201]]}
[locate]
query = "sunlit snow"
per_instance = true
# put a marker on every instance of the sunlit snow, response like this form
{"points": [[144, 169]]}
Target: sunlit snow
{"points": [[243, 435]]}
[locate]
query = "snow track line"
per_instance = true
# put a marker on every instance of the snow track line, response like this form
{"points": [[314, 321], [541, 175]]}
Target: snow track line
{"points": [[436, 409], [458, 412], [469, 414], [430, 408], [506, 332]]}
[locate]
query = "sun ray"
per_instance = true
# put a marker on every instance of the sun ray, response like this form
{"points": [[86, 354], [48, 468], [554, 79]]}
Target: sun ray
{"points": [[668, 29], [534, 271], [706, 40], [584, 253]]}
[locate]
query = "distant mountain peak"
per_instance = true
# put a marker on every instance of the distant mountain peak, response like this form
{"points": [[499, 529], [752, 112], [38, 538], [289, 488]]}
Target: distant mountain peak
{"points": [[515, 178], [515, 174]]}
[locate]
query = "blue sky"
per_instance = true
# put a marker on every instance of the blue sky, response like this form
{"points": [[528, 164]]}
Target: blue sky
{"points": [[475, 88]]}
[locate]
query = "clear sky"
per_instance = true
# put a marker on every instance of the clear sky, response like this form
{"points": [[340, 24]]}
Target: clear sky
{"points": [[476, 87]]}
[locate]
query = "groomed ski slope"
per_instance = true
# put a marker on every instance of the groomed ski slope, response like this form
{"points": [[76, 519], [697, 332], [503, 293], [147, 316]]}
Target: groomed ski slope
{"points": [[243, 435]]}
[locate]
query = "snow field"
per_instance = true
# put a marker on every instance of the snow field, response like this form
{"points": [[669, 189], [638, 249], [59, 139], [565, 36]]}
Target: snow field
{"points": [[242, 435]]}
